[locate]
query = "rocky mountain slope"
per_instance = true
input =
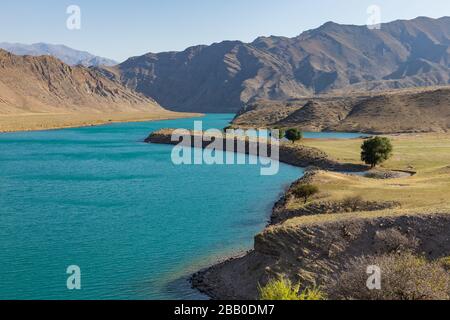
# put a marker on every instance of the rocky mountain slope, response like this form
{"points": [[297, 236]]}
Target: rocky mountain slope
{"points": [[47, 85], [410, 110], [65, 54], [335, 58]]}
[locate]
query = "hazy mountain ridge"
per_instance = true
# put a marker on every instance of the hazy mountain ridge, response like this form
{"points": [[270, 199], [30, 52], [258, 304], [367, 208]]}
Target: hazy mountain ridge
{"points": [[338, 58], [65, 54]]}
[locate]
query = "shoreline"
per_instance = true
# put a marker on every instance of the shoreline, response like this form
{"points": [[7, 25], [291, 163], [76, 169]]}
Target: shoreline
{"points": [[47, 122], [206, 280], [214, 280], [296, 155]]}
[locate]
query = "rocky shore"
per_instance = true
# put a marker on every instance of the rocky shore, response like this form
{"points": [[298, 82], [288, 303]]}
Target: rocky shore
{"points": [[292, 154]]}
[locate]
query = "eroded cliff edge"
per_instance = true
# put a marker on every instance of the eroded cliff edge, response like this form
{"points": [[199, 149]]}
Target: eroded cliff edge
{"points": [[313, 251], [311, 243]]}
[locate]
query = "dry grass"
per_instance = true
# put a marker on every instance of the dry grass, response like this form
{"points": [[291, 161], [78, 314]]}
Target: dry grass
{"points": [[403, 277], [427, 154], [45, 121], [427, 192]]}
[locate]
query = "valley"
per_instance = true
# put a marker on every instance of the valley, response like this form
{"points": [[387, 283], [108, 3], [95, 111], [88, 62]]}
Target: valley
{"points": [[38, 93], [110, 175]]}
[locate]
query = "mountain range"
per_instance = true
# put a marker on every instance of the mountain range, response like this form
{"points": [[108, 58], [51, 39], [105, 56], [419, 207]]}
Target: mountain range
{"points": [[334, 58], [67, 55], [336, 77]]}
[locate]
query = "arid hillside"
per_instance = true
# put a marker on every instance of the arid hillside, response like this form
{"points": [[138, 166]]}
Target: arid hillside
{"points": [[412, 110], [333, 58], [45, 84], [44, 93]]}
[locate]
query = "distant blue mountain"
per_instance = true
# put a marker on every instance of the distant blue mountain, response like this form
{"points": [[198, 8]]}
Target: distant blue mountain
{"points": [[67, 55]]}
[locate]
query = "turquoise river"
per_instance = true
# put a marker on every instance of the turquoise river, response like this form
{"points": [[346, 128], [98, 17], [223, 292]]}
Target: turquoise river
{"points": [[136, 224]]}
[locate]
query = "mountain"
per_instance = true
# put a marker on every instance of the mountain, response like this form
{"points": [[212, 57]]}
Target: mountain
{"points": [[65, 54], [44, 84], [333, 58]]}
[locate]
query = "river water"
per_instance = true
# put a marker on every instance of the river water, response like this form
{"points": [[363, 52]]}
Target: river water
{"points": [[136, 224]]}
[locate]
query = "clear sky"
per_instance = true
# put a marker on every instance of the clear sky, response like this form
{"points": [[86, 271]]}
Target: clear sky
{"points": [[119, 29]]}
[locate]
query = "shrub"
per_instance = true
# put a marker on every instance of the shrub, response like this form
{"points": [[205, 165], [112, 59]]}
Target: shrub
{"points": [[392, 240], [445, 263], [281, 133], [294, 135], [283, 289], [376, 150], [403, 277], [354, 203], [305, 191]]}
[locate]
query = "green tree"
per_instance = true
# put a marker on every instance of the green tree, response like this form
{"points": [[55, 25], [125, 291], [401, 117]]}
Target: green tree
{"points": [[284, 289], [376, 150], [294, 135], [281, 133], [305, 191]]}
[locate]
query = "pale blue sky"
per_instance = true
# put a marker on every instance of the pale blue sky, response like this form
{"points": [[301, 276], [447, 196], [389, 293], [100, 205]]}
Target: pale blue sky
{"points": [[119, 29]]}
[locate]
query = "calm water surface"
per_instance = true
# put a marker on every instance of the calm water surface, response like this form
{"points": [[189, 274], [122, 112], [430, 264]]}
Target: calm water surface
{"points": [[136, 224]]}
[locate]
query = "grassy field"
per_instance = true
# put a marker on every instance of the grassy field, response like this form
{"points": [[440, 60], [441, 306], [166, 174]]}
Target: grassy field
{"points": [[427, 154]]}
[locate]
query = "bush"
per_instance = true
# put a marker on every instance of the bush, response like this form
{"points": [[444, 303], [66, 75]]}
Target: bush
{"points": [[294, 135], [445, 263], [281, 133], [392, 240], [305, 191], [283, 289], [403, 277], [376, 150], [354, 203]]}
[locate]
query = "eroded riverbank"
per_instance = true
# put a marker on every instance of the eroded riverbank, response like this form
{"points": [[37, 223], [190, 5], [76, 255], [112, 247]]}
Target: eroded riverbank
{"points": [[309, 244]]}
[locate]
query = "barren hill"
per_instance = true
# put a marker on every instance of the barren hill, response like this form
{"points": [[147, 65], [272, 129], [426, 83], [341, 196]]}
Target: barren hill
{"points": [[43, 92], [412, 110], [333, 58]]}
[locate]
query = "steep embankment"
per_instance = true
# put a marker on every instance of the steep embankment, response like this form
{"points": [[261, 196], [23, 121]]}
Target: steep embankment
{"points": [[414, 110], [333, 58], [312, 251], [352, 216], [43, 92]]}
